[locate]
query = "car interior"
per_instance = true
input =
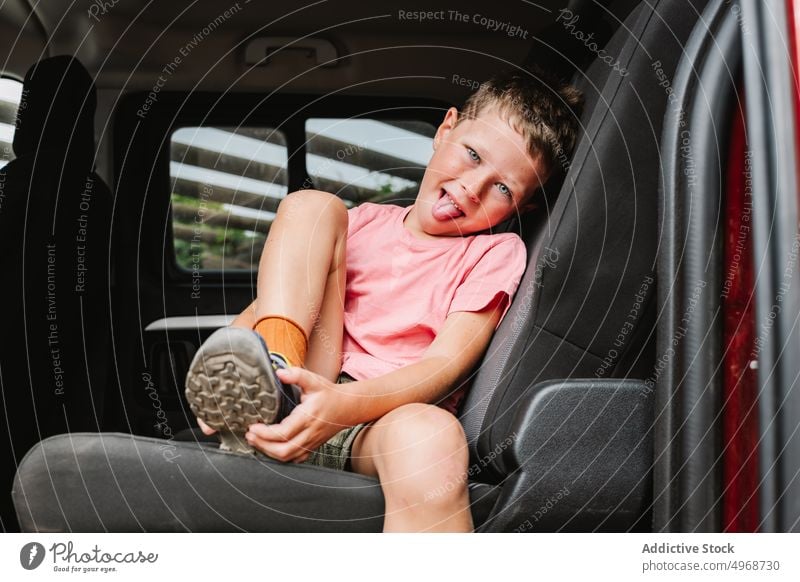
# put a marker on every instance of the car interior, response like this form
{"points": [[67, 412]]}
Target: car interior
{"points": [[146, 157]]}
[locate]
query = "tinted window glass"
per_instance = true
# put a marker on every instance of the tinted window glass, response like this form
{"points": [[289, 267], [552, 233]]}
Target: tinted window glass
{"points": [[364, 160], [226, 185], [10, 95]]}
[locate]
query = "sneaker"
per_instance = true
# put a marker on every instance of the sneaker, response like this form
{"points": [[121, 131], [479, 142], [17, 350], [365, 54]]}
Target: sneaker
{"points": [[232, 384]]}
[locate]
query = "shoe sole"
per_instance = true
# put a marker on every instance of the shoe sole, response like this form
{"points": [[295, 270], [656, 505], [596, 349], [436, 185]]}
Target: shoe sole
{"points": [[231, 385]]}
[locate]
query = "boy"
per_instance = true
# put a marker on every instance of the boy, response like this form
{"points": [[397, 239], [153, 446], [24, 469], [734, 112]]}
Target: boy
{"points": [[397, 303]]}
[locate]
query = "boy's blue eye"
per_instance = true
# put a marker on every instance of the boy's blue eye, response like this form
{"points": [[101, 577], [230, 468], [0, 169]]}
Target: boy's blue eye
{"points": [[473, 154], [504, 189]]}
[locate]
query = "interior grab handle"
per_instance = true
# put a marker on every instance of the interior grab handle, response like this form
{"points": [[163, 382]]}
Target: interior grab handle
{"points": [[259, 51]]}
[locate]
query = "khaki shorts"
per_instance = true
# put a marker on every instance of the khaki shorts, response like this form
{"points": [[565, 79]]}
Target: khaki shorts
{"points": [[335, 454]]}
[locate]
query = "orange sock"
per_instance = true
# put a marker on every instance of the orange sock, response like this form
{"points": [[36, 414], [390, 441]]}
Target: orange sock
{"points": [[284, 337]]}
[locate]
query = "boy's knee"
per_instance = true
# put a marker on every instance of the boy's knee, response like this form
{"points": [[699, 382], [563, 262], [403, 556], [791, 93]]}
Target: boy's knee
{"points": [[315, 207], [424, 457], [316, 201], [427, 427]]}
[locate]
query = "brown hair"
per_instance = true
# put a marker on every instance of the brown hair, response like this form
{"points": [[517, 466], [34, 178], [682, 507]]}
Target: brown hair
{"points": [[544, 111]]}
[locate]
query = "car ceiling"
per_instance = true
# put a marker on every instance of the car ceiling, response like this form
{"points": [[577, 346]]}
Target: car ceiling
{"points": [[127, 43]]}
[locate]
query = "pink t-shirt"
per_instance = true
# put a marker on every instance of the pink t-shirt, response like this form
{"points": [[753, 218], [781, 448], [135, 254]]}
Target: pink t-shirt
{"points": [[400, 289]]}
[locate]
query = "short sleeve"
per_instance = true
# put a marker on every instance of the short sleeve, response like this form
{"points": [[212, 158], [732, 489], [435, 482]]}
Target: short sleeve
{"points": [[498, 271], [359, 215]]}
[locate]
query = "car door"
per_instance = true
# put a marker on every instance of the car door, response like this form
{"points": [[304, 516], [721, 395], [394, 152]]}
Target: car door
{"points": [[728, 403]]}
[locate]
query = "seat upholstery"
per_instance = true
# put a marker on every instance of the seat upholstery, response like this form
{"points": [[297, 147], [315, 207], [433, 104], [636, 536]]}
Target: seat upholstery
{"points": [[120, 482], [54, 228], [585, 307]]}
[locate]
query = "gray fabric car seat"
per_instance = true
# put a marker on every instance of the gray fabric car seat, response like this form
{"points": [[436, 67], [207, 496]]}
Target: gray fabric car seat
{"points": [[586, 305], [54, 228], [532, 435]]}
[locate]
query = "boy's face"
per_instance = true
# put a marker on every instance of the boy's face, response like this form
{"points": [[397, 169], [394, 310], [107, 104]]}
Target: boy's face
{"points": [[480, 175]]}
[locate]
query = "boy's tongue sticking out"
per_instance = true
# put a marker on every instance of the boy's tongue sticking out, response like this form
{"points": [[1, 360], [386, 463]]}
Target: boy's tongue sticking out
{"points": [[445, 208]]}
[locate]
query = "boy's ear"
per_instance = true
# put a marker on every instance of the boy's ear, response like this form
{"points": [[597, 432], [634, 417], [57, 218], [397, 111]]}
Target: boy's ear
{"points": [[528, 206], [530, 202], [448, 123]]}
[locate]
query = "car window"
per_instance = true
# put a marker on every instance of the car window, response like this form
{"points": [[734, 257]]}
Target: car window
{"points": [[226, 183], [226, 186], [366, 160], [10, 95]]}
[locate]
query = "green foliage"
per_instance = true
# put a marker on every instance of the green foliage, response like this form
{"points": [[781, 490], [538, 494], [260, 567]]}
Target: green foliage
{"points": [[183, 253], [210, 204], [203, 246]]}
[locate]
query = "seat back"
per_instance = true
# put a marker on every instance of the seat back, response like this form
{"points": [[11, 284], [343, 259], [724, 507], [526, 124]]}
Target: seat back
{"points": [[586, 305], [54, 232]]}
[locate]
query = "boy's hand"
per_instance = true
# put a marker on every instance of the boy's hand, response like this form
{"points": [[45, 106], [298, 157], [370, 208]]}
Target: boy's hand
{"points": [[325, 408], [207, 430]]}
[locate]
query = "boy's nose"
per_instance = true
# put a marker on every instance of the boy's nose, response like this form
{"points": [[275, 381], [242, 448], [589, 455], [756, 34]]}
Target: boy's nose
{"points": [[473, 186]]}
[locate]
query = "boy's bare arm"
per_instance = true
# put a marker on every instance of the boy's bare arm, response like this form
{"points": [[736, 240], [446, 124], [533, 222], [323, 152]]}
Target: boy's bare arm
{"points": [[454, 353], [326, 408]]}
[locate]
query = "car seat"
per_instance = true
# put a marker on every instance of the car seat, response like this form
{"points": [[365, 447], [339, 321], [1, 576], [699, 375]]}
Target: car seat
{"points": [[560, 412], [54, 230]]}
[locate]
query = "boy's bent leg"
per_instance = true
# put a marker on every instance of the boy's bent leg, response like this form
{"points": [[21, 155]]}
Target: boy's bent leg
{"points": [[306, 244], [301, 275], [419, 453], [231, 383], [247, 318]]}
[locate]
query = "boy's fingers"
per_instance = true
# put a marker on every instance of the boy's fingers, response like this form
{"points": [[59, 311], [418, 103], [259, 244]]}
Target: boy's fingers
{"points": [[287, 429], [302, 458], [282, 451], [290, 375], [266, 432], [207, 430], [272, 450], [299, 376]]}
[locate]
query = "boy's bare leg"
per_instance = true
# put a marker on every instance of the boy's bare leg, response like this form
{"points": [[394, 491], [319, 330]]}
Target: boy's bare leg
{"points": [[419, 453], [301, 275]]}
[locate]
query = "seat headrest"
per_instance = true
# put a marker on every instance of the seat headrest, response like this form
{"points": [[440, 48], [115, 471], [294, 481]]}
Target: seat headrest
{"points": [[57, 108]]}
